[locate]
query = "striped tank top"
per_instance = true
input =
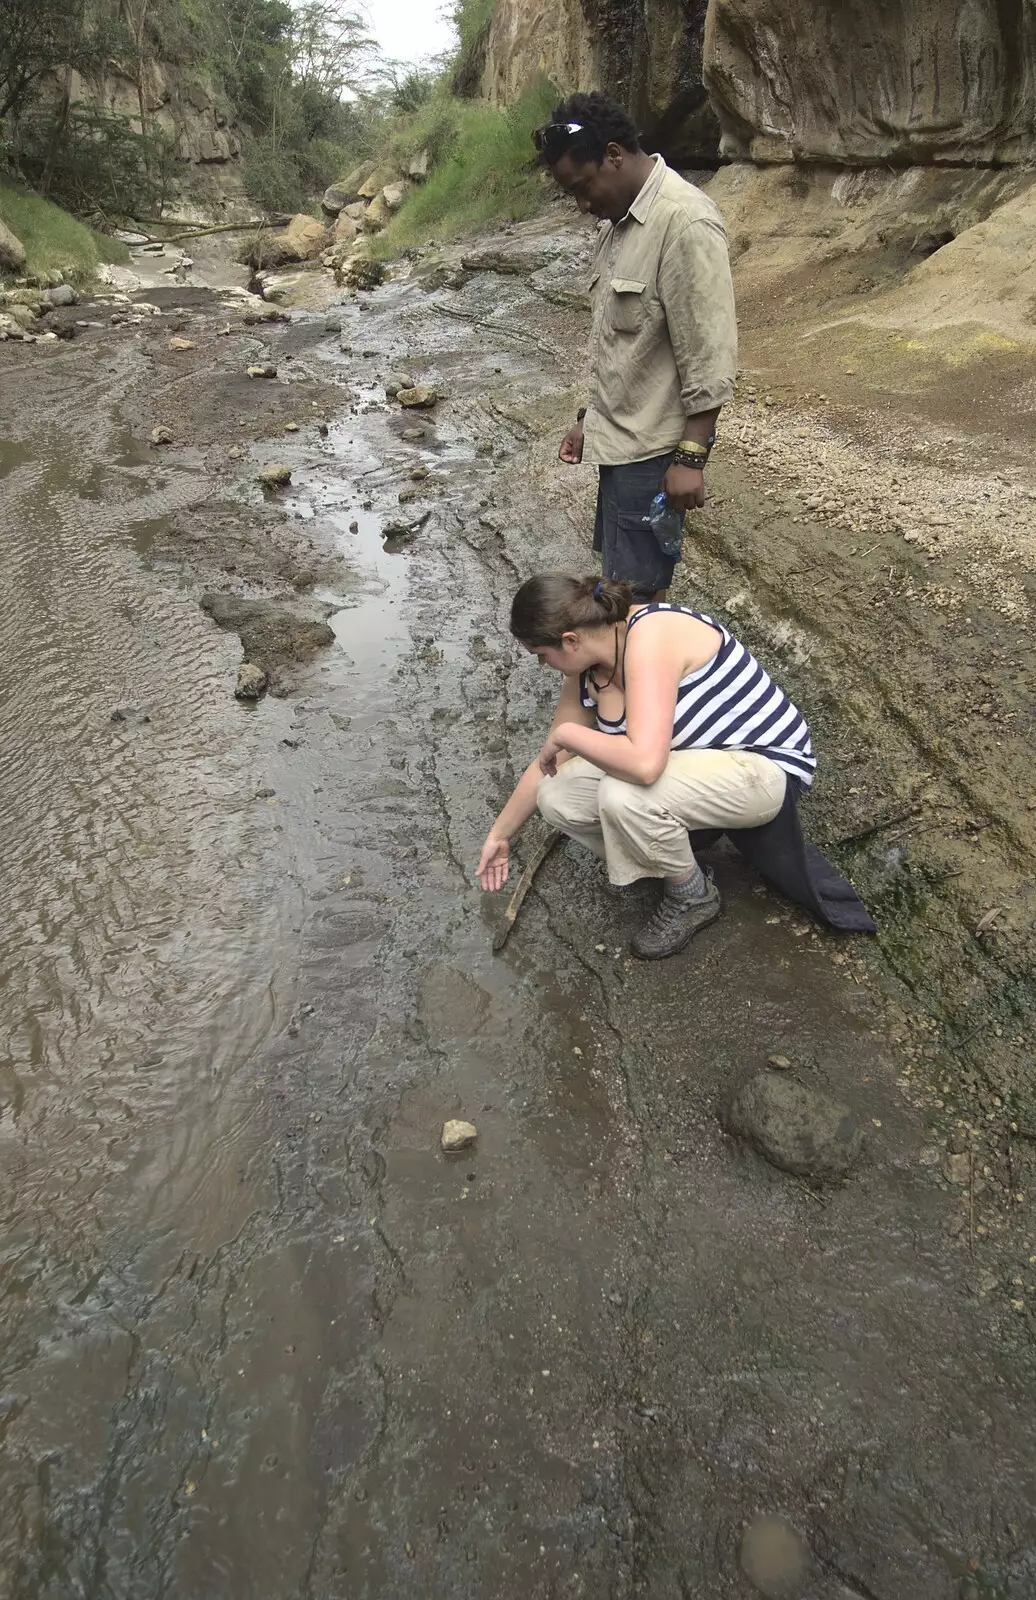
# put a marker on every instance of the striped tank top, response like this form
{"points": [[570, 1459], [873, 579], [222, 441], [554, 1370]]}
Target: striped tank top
{"points": [[730, 703]]}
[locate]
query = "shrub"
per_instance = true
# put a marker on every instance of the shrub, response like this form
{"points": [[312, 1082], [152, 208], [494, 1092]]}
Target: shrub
{"points": [[486, 168], [271, 176], [90, 161]]}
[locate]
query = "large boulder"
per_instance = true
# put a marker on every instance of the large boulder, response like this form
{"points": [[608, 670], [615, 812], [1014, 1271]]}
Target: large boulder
{"points": [[377, 215], [868, 81], [302, 240], [12, 251], [346, 232], [376, 181], [347, 190], [394, 195], [797, 1128]]}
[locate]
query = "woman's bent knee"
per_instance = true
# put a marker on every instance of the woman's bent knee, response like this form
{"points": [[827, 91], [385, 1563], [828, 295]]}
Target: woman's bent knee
{"points": [[554, 802], [618, 799]]}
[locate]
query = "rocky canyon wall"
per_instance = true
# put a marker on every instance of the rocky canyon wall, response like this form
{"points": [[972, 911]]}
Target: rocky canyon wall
{"points": [[861, 82], [647, 53], [188, 109], [853, 82]]}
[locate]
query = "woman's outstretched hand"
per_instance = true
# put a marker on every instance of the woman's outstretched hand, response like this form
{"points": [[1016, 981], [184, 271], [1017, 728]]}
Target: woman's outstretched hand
{"points": [[494, 863]]}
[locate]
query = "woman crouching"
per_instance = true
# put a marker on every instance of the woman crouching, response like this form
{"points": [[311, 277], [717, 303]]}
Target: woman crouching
{"points": [[666, 725]]}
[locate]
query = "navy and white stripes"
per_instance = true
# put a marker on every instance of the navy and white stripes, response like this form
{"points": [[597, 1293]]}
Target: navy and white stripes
{"points": [[730, 703]]}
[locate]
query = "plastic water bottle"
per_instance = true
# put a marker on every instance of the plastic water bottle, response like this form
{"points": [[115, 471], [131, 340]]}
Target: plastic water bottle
{"points": [[666, 524]]}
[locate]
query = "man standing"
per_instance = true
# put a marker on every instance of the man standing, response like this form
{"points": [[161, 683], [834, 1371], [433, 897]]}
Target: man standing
{"points": [[663, 343]]}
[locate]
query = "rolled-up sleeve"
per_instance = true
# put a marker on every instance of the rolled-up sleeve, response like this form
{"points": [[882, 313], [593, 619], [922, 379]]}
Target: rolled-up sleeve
{"points": [[695, 288]]}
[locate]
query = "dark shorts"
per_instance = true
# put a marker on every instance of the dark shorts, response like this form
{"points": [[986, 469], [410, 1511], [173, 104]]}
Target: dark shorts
{"points": [[627, 546]]}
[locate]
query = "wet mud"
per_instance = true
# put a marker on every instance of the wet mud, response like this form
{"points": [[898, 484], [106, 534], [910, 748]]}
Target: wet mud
{"points": [[259, 1336]]}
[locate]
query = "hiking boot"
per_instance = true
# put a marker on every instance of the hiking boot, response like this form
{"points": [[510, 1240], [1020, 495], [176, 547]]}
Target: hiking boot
{"points": [[675, 923]]}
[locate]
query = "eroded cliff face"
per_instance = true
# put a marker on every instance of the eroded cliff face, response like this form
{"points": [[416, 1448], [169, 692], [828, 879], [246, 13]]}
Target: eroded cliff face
{"points": [[188, 109], [648, 55], [911, 82], [856, 82]]}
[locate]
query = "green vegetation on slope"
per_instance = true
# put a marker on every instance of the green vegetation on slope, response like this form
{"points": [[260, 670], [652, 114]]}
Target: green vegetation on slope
{"points": [[54, 241], [482, 167]]}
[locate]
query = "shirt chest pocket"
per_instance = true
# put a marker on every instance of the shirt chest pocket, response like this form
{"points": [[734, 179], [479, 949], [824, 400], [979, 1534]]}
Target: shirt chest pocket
{"points": [[626, 311]]}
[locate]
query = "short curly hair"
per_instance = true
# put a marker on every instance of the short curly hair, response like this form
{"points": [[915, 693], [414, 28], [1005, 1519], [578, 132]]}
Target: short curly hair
{"points": [[604, 122]]}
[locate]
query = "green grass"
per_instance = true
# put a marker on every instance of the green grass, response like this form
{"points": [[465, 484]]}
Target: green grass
{"points": [[54, 240], [483, 168]]}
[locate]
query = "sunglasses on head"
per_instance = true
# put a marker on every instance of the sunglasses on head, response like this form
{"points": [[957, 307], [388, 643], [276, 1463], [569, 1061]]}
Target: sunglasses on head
{"points": [[555, 135]]}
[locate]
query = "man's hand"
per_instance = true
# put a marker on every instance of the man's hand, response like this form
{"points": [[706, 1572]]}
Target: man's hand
{"points": [[494, 863], [571, 451], [684, 488]]}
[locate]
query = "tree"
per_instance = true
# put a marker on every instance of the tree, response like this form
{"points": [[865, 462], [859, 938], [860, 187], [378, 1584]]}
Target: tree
{"points": [[39, 38]]}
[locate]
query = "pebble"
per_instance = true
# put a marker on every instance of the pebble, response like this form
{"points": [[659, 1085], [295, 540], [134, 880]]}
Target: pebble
{"points": [[262, 372], [775, 1558], [275, 477], [956, 1168], [458, 1135], [161, 436], [795, 1127], [413, 434], [251, 681], [419, 397], [182, 344]]}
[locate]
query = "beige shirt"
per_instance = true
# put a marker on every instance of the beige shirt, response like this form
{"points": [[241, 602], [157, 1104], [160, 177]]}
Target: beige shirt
{"points": [[663, 344]]}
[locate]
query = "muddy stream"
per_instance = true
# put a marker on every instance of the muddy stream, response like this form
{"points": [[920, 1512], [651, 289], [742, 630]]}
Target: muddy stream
{"points": [[258, 1336]]}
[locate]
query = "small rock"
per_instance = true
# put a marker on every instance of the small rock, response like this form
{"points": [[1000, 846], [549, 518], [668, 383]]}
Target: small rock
{"points": [[419, 397], [396, 381], [419, 474], [251, 681], [956, 1168], [262, 372], [182, 344], [224, 333], [333, 322], [781, 1062], [161, 436], [458, 1135], [130, 714], [291, 427], [411, 435], [265, 794], [797, 1128], [775, 1558], [275, 477], [62, 295], [235, 452], [264, 313]]}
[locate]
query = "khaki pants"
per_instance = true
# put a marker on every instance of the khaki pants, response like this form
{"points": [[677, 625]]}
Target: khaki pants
{"points": [[641, 831]]}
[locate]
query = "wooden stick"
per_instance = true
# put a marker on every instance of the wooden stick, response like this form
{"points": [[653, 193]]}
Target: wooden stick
{"points": [[222, 227], [514, 905]]}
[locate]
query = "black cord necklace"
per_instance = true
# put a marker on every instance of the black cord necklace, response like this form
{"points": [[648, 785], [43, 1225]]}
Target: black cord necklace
{"points": [[600, 687]]}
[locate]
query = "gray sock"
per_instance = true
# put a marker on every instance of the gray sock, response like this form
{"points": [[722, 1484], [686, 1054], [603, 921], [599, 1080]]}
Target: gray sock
{"points": [[696, 887]]}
